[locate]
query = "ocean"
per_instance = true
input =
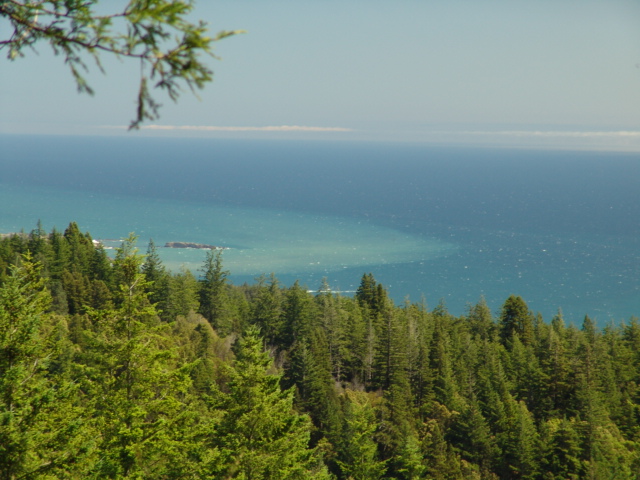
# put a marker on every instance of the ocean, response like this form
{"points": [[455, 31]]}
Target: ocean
{"points": [[432, 223]]}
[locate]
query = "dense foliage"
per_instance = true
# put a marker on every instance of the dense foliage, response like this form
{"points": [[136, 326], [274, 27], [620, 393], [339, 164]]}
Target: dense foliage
{"points": [[114, 367]]}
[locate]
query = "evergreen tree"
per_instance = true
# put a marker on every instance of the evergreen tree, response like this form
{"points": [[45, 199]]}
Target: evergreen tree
{"points": [[333, 321], [61, 255], [481, 321], [366, 292], [561, 450], [419, 368], [77, 291], [100, 266], [408, 463], [81, 248], [139, 393], [471, 435], [308, 364], [516, 319], [259, 435], [298, 316], [396, 422], [440, 459], [589, 329], [527, 376], [357, 453], [156, 275], [214, 297], [355, 356], [181, 295], [519, 443], [309, 370], [557, 392], [41, 432], [445, 386], [39, 246], [197, 342], [267, 310]]}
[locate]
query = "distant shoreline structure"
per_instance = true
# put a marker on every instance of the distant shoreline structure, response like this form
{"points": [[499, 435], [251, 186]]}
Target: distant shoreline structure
{"points": [[193, 245], [101, 243], [11, 234], [188, 245]]}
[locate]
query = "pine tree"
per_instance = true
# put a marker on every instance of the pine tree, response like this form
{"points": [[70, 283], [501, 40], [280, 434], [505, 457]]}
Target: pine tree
{"points": [[589, 329], [267, 310], [519, 443], [298, 316], [197, 341], [481, 320], [214, 298], [181, 296], [156, 275], [561, 450], [557, 392], [472, 437], [41, 432], [397, 419], [516, 319], [139, 393], [39, 246], [61, 255], [445, 386], [371, 294], [440, 459], [81, 248], [333, 320], [309, 370], [77, 290], [408, 463], [259, 435], [366, 292], [357, 453], [420, 335]]}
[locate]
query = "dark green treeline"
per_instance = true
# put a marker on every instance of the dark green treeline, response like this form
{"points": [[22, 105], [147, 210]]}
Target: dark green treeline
{"points": [[113, 367]]}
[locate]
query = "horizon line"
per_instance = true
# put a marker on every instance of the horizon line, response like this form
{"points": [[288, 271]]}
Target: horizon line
{"points": [[268, 128]]}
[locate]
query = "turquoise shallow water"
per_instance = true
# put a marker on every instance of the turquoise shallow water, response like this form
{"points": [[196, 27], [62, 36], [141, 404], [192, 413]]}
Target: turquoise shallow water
{"points": [[257, 240], [559, 228]]}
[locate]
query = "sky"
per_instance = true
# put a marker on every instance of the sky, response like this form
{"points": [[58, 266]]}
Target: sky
{"points": [[562, 73]]}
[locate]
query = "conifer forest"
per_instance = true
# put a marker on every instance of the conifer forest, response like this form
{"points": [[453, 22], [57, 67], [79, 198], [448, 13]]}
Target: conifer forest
{"points": [[114, 367]]}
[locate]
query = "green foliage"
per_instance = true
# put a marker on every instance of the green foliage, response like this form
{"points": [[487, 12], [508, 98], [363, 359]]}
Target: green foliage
{"points": [[561, 444], [358, 456], [181, 295], [267, 309], [214, 302], [259, 435], [409, 464], [95, 383], [138, 388], [516, 320], [157, 33], [519, 443], [41, 432], [157, 277], [371, 294]]}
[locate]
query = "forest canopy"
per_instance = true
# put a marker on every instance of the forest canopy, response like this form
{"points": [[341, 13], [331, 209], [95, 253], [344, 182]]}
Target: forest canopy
{"points": [[111, 366]]}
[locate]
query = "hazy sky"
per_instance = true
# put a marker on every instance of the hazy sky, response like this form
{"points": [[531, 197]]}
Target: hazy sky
{"points": [[509, 71]]}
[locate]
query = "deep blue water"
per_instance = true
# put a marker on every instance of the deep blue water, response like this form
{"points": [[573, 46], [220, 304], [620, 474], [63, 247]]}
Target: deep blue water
{"points": [[559, 228]]}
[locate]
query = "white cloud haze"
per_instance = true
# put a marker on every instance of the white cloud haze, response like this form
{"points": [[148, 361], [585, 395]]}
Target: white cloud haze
{"points": [[557, 134], [274, 128]]}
